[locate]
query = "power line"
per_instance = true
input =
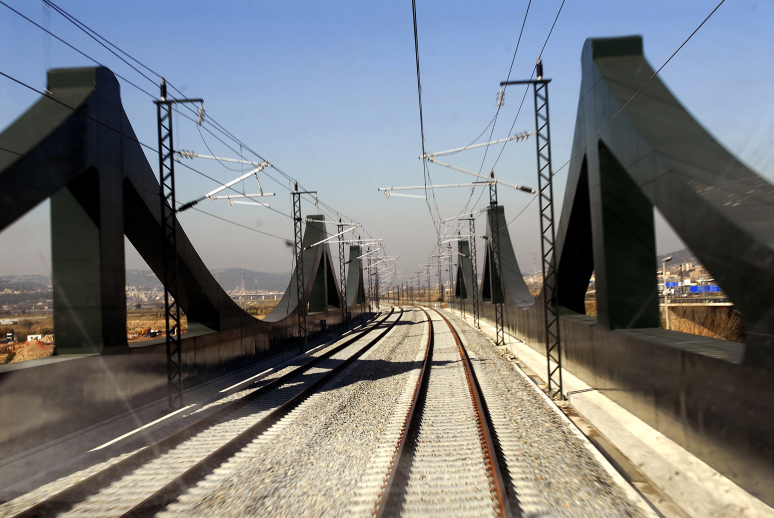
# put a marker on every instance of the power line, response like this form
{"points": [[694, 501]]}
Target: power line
{"points": [[240, 225], [88, 30], [641, 88], [133, 139], [74, 48], [554, 173], [493, 123], [425, 172], [513, 60], [531, 76], [47, 96], [22, 155]]}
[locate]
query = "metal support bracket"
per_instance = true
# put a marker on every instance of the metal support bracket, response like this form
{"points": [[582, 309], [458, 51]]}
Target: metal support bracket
{"points": [[343, 282], [497, 298], [169, 245], [297, 224], [548, 236]]}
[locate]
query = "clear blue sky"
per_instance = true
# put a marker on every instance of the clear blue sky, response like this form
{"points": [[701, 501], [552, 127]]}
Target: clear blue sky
{"points": [[327, 92]]}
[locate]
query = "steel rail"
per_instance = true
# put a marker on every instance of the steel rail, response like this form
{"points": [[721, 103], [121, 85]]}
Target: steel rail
{"points": [[65, 499], [398, 461], [486, 431], [171, 491]]}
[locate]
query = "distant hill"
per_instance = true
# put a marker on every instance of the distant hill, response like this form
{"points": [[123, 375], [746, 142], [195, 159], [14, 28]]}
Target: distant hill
{"points": [[25, 282], [142, 279], [230, 280], [679, 257]]}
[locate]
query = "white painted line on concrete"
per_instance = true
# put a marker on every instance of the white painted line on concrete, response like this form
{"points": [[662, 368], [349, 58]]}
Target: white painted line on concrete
{"points": [[142, 428]]}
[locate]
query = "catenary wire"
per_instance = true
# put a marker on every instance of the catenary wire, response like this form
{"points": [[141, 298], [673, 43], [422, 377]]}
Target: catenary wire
{"points": [[426, 173], [493, 123], [129, 137], [641, 88], [554, 173], [214, 123], [73, 47], [136, 188], [530, 77]]}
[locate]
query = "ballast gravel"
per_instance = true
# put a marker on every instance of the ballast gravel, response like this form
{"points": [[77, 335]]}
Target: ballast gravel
{"points": [[133, 444], [310, 463], [572, 482]]}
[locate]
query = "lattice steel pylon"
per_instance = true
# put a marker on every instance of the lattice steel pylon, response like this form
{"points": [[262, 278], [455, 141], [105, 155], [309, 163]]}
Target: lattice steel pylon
{"points": [[427, 288], [547, 238], [343, 281], [440, 280], [547, 230], [472, 222], [451, 276], [376, 287], [498, 293], [298, 250], [370, 295], [169, 245]]}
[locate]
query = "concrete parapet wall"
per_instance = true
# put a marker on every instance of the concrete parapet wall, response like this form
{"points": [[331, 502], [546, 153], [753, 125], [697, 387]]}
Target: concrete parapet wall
{"points": [[44, 400]]}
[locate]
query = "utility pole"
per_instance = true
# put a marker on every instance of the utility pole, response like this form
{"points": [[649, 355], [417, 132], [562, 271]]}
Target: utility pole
{"points": [[666, 296], [343, 281], [547, 230], [370, 280], [440, 280], [376, 286], [451, 284], [169, 243], [427, 288], [498, 294], [472, 226], [297, 238]]}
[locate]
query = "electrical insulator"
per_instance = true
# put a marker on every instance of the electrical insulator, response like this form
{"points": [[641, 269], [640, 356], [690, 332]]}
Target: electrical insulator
{"points": [[539, 69], [200, 117], [500, 97], [163, 89]]}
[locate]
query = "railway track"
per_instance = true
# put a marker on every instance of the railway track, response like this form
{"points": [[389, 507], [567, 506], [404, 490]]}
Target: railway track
{"points": [[445, 462], [146, 481]]}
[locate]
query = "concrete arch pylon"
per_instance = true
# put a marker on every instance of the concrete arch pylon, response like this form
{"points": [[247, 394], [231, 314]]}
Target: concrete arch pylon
{"points": [[77, 147], [320, 294]]}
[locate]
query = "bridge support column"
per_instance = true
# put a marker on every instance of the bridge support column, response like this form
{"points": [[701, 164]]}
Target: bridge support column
{"points": [[88, 267], [624, 246]]}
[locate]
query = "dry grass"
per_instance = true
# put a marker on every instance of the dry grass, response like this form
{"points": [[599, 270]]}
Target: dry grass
{"points": [[714, 321], [260, 308], [42, 326], [722, 322]]}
